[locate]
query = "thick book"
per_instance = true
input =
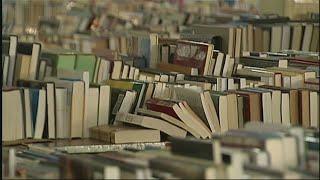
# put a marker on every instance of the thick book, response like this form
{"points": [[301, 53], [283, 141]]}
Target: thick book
{"points": [[12, 118], [124, 134]]}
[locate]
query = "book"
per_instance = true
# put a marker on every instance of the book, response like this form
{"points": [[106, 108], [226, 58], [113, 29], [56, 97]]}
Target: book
{"points": [[122, 134], [296, 31], [12, 125], [5, 69], [152, 123], [193, 54], [306, 40], [169, 119], [86, 62], [63, 112], [93, 107], [276, 37]]}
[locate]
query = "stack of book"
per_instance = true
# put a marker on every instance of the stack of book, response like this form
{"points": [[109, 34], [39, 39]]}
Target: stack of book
{"points": [[64, 93]]}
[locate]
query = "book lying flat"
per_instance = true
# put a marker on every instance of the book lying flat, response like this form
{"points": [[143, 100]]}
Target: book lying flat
{"points": [[124, 134]]}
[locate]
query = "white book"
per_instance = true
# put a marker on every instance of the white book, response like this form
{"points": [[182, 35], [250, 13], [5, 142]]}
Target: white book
{"points": [[307, 37], [267, 107], [285, 42], [244, 39], [51, 110], [210, 112], [116, 72], [28, 120], [224, 84], [12, 118], [128, 101], [93, 108], [314, 109], [231, 41], [223, 113], [34, 61], [125, 72], [285, 109], [63, 120], [5, 68], [276, 33], [231, 85], [104, 104], [41, 115], [131, 72], [136, 74], [276, 107], [217, 68], [237, 43]]}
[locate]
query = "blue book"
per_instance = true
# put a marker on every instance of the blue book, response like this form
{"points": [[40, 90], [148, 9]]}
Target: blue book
{"points": [[34, 98]]}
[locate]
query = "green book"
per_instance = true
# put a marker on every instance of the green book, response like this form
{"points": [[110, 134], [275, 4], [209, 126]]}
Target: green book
{"points": [[60, 59], [117, 96], [86, 62], [139, 87], [66, 61]]}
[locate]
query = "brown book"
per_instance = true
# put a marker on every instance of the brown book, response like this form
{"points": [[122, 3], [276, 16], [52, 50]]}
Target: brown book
{"points": [[252, 105], [107, 54], [258, 35], [294, 107], [304, 103], [124, 134], [166, 67]]}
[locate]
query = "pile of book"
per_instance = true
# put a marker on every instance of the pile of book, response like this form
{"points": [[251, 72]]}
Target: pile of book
{"points": [[198, 90]]}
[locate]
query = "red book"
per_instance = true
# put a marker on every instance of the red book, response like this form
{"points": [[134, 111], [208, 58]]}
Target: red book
{"points": [[161, 106], [193, 54]]}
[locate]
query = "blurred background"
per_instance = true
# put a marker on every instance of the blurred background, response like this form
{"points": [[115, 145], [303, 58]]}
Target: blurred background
{"points": [[25, 16]]}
